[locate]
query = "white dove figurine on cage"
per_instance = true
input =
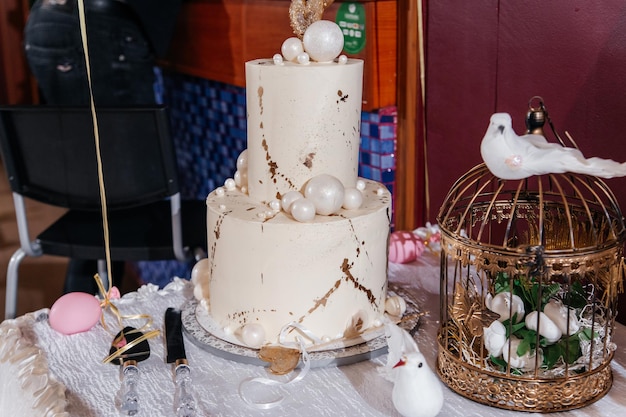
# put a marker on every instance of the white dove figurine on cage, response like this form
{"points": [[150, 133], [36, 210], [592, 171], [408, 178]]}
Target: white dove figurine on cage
{"points": [[512, 157]]}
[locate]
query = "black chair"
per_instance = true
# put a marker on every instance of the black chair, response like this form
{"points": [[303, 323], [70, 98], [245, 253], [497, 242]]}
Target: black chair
{"points": [[49, 155]]}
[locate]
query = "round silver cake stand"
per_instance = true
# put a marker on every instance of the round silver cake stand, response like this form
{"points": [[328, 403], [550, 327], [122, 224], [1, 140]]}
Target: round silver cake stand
{"points": [[354, 353]]}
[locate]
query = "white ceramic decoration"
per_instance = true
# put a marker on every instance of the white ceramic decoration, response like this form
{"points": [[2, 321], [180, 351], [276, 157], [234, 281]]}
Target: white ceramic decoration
{"points": [[525, 362], [511, 157], [495, 338], [501, 304], [544, 326], [557, 312], [417, 391]]}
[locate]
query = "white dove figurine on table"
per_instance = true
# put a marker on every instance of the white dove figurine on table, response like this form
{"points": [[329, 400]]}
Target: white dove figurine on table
{"points": [[512, 157], [417, 391]]}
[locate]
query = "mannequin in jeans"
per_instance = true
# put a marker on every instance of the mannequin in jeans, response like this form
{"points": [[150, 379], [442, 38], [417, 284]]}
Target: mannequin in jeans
{"points": [[124, 39]]}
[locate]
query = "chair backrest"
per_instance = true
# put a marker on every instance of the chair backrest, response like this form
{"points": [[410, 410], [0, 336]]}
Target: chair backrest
{"points": [[50, 155]]}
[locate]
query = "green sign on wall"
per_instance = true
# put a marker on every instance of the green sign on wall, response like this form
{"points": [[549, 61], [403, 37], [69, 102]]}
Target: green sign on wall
{"points": [[351, 20]]}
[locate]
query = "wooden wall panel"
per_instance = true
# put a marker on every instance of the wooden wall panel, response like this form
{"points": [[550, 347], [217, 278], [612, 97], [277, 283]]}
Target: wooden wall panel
{"points": [[16, 84], [381, 54], [214, 39], [207, 41], [410, 197]]}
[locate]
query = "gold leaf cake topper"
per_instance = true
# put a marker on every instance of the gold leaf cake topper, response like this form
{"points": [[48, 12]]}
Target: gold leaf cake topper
{"points": [[303, 13]]}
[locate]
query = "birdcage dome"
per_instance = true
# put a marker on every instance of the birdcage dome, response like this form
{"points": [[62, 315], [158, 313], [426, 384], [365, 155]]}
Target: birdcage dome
{"points": [[564, 214]]}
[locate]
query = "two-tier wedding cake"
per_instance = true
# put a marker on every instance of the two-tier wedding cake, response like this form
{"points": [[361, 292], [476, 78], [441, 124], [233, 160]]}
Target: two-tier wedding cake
{"points": [[297, 242]]}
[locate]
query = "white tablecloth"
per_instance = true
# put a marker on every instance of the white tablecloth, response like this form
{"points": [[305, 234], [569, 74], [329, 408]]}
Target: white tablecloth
{"points": [[38, 365]]}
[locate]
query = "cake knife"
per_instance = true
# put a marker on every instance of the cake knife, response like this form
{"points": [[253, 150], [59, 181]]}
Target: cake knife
{"points": [[184, 403]]}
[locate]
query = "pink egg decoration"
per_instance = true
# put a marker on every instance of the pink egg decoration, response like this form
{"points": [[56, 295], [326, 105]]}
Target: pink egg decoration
{"points": [[74, 312], [404, 247]]}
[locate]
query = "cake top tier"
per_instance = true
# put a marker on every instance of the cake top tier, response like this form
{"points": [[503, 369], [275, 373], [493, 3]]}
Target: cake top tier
{"points": [[303, 121]]}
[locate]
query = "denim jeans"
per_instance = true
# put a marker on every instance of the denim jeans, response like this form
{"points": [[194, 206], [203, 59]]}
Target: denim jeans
{"points": [[121, 60]]}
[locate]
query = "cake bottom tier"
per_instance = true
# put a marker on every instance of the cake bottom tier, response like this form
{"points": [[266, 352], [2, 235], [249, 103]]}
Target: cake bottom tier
{"points": [[329, 276]]}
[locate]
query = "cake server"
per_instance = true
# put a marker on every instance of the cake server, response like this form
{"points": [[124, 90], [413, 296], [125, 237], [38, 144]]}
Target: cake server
{"points": [[129, 347], [184, 403]]}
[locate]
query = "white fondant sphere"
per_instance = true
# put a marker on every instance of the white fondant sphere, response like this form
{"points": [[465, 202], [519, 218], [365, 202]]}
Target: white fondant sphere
{"points": [[360, 185], [352, 199], [200, 271], [323, 40], [395, 305], [230, 184], [303, 58], [253, 335], [303, 210], [200, 278], [278, 59], [242, 160], [291, 48], [326, 192], [198, 293], [289, 198], [275, 205], [241, 178]]}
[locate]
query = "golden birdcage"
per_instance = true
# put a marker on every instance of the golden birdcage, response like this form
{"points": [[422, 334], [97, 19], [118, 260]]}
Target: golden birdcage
{"points": [[530, 275]]}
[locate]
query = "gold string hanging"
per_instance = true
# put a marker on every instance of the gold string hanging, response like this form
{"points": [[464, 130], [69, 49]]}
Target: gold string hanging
{"points": [[422, 74], [106, 292], [96, 132]]}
